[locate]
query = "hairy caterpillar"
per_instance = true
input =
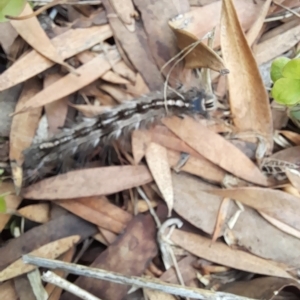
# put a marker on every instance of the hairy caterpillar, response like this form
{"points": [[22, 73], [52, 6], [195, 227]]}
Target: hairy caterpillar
{"points": [[110, 125]]}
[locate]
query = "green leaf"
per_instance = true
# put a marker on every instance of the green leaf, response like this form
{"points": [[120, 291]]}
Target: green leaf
{"points": [[11, 8], [292, 69], [286, 91], [2, 204], [277, 67]]}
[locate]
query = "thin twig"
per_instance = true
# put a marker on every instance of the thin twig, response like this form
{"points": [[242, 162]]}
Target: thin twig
{"points": [[52, 278], [137, 281]]}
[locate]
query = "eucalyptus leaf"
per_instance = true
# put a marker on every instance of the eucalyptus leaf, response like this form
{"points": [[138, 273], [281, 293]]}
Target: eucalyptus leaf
{"points": [[11, 8], [286, 91], [277, 67]]}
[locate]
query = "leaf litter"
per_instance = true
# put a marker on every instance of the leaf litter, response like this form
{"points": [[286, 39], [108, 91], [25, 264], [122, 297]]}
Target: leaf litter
{"points": [[231, 176]]}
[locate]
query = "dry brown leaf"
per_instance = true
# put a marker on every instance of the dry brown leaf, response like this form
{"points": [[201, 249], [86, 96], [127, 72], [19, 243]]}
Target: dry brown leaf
{"points": [[157, 160], [282, 226], [201, 56], [253, 32], [161, 39], [89, 182], [109, 236], [72, 83], [210, 18], [138, 243], [7, 36], [198, 166], [264, 288], [90, 111], [222, 254], [126, 12], [63, 225], [265, 51], [39, 213], [24, 126], [110, 76], [52, 289], [277, 204], [137, 88], [135, 48], [91, 215], [11, 200], [113, 77], [294, 178], [56, 112], [186, 268], [249, 101], [196, 206], [119, 94], [124, 71], [291, 136], [68, 44], [51, 251], [216, 149], [158, 295], [140, 139], [32, 32], [221, 218], [7, 291], [250, 232]]}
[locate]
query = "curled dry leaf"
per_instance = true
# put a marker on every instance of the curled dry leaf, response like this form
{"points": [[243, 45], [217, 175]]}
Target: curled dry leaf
{"points": [[216, 149], [89, 182], [249, 101], [277, 204], [68, 44], [200, 55], [222, 254], [71, 82], [157, 160], [51, 250]]}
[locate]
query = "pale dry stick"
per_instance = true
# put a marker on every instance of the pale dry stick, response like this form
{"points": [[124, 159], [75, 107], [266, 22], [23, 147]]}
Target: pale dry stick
{"points": [[147, 283], [56, 280]]}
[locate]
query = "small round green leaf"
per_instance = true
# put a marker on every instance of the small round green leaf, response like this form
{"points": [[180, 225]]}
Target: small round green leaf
{"points": [[277, 67], [292, 69], [286, 91], [11, 8]]}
